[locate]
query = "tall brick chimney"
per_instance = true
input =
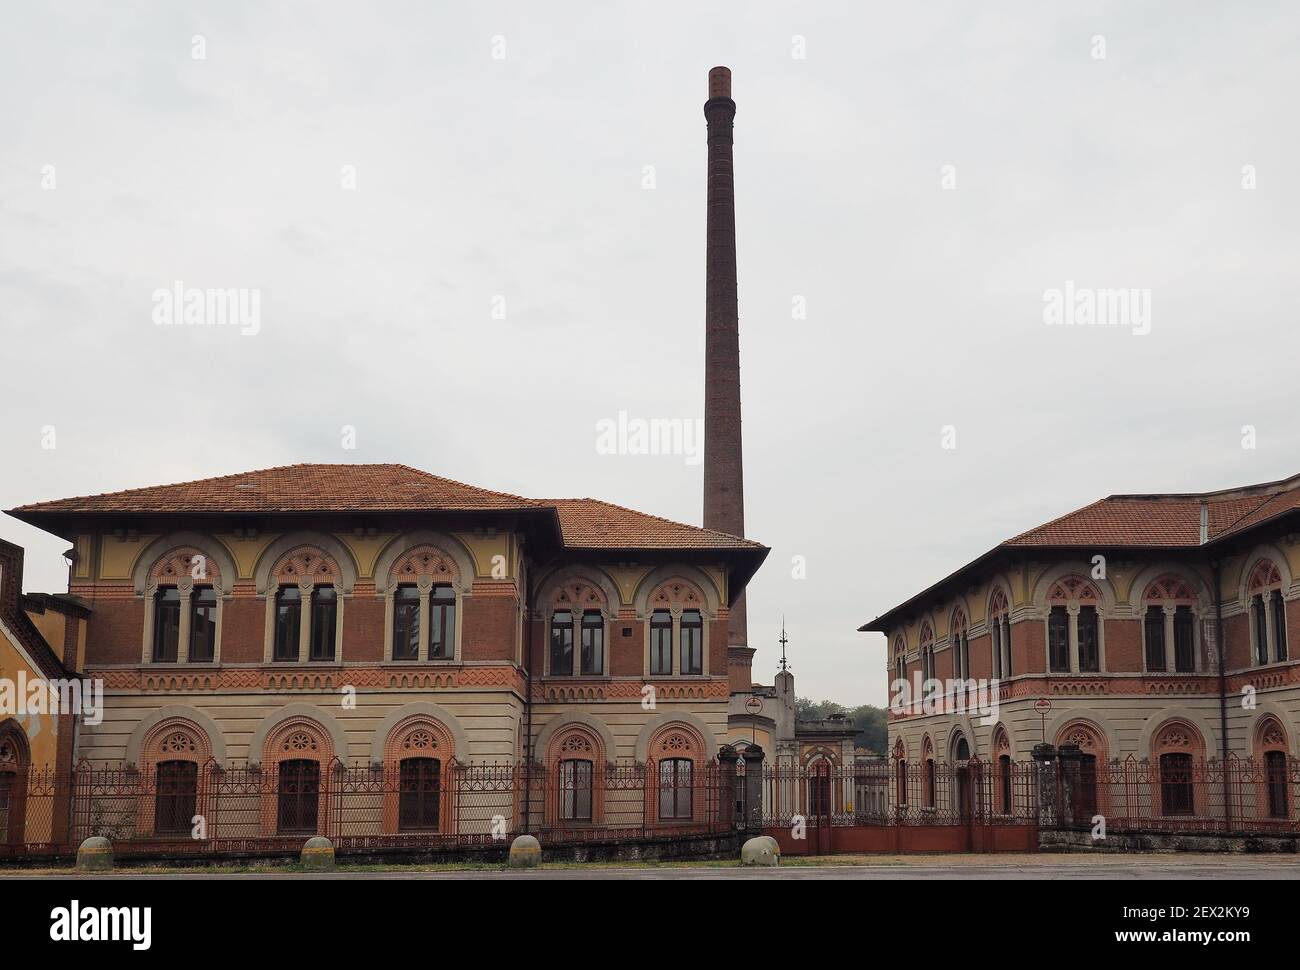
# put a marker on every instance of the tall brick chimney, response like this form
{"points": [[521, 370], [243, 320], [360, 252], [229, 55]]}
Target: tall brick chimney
{"points": [[724, 493]]}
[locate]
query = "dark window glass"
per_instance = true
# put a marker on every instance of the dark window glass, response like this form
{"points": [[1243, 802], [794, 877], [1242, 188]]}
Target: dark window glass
{"points": [[203, 624], [996, 637], [661, 642], [1184, 640], [1089, 654], [575, 790], [1058, 639], [1261, 629], [901, 771], [406, 623], [166, 624], [1006, 648], [324, 617], [1176, 784], [1004, 779], [298, 794], [819, 793], [692, 642], [442, 623], [176, 799], [593, 643], [6, 789], [675, 788], [420, 788], [929, 783], [1085, 795], [562, 644], [1275, 769], [288, 614], [1279, 624], [1155, 634]]}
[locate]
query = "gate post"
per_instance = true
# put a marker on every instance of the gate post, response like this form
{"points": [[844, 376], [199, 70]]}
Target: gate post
{"points": [[1070, 759], [1044, 756], [753, 757]]}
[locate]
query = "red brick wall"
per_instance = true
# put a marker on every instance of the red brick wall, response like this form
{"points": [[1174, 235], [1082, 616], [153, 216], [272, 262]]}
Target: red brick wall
{"points": [[488, 628], [243, 629], [1123, 645], [981, 658], [116, 631], [363, 629], [1028, 648], [625, 655], [1236, 632]]}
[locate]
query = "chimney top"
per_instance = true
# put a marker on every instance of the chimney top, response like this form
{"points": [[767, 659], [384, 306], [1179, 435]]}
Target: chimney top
{"points": [[720, 82]]}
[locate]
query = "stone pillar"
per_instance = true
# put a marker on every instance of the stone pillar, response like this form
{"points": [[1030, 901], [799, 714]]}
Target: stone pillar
{"points": [[753, 757], [1069, 761], [1044, 756]]}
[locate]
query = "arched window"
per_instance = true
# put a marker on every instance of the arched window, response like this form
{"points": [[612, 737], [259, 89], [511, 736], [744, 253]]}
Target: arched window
{"points": [[692, 642], [1090, 741], [1000, 632], [298, 796], [1177, 747], [14, 761], [442, 622], [676, 777], [1004, 783], [302, 597], [1272, 753], [166, 624], [288, 620], [176, 797], [324, 611], [420, 794], [593, 643], [575, 777], [661, 642], [1074, 628], [578, 608], [1267, 614], [406, 623], [561, 643], [927, 652], [960, 646], [1169, 620], [182, 590], [900, 661], [928, 777], [203, 625]]}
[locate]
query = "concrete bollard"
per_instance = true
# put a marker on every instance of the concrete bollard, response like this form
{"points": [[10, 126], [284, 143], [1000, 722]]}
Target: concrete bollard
{"points": [[762, 850], [95, 855], [317, 854], [525, 852]]}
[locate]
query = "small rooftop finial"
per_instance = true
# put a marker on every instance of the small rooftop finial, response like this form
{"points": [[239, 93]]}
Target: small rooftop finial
{"points": [[720, 82], [783, 641]]}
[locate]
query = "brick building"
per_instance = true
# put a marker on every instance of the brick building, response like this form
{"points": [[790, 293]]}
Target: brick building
{"points": [[1113, 614], [322, 611]]}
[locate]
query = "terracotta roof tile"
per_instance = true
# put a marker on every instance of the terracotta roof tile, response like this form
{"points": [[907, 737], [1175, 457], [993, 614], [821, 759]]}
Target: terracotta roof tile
{"points": [[299, 488], [584, 522], [589, 523], [1159, 521]]}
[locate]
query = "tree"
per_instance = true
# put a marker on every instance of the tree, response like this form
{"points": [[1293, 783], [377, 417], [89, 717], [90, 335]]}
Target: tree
{"points": [[869, 721]]}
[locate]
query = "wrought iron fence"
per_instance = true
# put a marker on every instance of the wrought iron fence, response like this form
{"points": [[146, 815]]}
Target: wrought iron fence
{"points": [[1175, 793], [897, 792], [184, 808]]}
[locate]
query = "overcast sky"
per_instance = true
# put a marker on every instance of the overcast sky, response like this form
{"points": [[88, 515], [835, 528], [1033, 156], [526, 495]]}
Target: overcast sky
{"points": [[501, 150]]}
